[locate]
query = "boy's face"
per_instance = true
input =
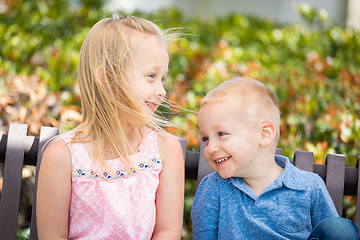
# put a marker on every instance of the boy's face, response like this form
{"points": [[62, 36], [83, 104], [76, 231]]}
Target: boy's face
{"points": [[231, 144]]}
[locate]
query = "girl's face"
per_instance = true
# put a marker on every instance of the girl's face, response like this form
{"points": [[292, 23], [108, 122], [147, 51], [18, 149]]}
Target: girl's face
{"points": [[151, 62]]}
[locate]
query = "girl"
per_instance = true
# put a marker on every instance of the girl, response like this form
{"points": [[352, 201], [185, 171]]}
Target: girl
{"points": [[118, 175]]}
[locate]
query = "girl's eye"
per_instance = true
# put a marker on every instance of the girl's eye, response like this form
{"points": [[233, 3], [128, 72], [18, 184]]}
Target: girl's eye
{"points": [[152, 75], [163, 79], [205, 139]]}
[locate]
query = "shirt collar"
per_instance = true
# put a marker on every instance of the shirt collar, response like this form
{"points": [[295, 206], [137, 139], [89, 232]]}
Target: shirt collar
{"points": [[288, 178]]}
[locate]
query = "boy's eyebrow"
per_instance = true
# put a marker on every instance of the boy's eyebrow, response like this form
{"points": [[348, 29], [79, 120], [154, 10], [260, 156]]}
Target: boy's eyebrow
{"points": [[201, 133]]}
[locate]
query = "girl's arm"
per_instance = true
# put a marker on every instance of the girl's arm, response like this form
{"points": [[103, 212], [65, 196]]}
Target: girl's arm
{"points": [[54, 192], [170, 193]]}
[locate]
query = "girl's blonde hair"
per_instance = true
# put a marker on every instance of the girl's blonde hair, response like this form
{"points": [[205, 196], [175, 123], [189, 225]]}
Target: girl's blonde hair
{"points": [[107, 98], [257, 102]]}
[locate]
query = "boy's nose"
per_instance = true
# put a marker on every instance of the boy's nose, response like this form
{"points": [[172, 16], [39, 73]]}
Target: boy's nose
{"points": [[212, 147]]}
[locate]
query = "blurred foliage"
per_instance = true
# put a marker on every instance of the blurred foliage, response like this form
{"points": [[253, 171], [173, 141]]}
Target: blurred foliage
{"points": [[312, 66]]}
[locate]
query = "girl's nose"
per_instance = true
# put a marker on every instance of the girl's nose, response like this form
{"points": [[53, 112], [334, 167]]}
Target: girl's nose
{"points": [[160, 91]]}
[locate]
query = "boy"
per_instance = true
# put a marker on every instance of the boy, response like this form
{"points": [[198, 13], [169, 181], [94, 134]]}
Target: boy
{"points": [[251, 195]]}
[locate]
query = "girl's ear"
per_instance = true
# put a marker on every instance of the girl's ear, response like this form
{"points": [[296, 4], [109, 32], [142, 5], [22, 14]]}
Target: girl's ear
{"points": [[268, 133], [99, 74]]}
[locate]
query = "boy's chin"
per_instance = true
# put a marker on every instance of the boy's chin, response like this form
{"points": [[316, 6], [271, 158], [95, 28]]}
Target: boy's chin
{"points": [[225, 174]]}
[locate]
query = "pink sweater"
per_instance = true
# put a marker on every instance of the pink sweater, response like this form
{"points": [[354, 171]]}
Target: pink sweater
{"points": [[114, 203]]}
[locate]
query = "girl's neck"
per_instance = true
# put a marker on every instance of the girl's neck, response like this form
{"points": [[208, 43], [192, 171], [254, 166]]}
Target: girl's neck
{"points": [[133, 137]]}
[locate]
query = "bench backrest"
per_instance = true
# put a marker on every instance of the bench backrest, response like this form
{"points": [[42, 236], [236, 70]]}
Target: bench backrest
{"points": [[17, 149]]}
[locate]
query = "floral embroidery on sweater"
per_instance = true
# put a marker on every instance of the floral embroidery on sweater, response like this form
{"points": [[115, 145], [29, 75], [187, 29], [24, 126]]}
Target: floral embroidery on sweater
{"points": [[115, 173]]}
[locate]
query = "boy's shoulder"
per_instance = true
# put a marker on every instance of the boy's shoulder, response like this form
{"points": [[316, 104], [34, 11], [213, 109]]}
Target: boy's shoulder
{"points": [[299, 179]]}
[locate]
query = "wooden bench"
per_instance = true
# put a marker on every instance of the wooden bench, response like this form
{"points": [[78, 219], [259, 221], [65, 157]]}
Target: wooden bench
{"points": [[17, 149]]}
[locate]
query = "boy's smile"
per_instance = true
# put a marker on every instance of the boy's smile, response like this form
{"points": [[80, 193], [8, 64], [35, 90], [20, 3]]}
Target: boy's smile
{"points": [[221, 160]]}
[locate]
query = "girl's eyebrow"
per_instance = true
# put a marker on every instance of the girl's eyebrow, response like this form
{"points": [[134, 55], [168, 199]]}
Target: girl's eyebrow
{"points": [[156, 68]]}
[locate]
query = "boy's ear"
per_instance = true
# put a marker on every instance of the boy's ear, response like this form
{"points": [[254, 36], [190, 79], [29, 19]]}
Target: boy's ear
{"points": [[268, 133]]}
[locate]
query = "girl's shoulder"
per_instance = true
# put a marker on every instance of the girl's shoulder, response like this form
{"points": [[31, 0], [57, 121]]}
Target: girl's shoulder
{"points": [[168, 145], [56, 156], [167, 140], [57, 144], [57, 147]]}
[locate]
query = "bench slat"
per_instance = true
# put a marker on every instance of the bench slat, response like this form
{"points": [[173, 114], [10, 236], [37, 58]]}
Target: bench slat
{"points": [[183, 143], [278, 151], [335, 178], [204, 168], [191, 165], [46, 133], [357, 212], [304, 160], [10, 197]]}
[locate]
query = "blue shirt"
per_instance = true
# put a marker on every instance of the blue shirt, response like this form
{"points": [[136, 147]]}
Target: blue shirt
{"points": [[288, 208]]}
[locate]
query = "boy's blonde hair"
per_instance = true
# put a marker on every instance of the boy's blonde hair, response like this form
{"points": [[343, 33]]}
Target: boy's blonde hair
{"points": [[107, 98], [256, 102]]}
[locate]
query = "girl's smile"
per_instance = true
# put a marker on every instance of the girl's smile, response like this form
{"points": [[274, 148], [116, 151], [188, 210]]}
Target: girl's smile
{"points": [[152, 106]]}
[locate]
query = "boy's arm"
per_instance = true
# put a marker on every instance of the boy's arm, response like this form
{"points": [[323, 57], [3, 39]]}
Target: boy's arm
{"points": [[170, 193], [205, 210], [322, 206]]}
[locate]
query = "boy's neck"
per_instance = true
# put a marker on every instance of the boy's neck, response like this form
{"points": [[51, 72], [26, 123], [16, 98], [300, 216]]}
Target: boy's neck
{"points": [[265, 175]]}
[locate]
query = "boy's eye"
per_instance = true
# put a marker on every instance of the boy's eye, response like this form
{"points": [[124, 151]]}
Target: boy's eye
{"points": [[152, 75], [163, 79], [205, 139], [221, 134]]}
